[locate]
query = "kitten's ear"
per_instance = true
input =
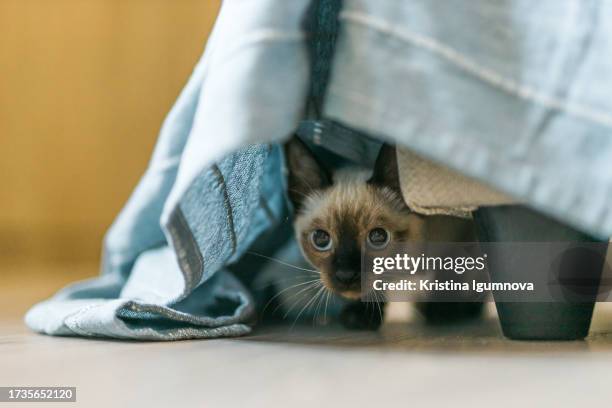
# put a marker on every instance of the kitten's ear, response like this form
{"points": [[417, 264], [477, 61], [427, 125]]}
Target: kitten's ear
{"points": [[306, 175], [386, 173]]}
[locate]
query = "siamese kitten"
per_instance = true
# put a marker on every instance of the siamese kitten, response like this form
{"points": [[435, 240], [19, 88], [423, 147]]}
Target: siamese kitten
{"points": [[335, 215]]}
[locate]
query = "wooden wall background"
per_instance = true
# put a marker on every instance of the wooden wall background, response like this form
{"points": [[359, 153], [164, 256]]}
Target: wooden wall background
{"points": [[84, 87]]}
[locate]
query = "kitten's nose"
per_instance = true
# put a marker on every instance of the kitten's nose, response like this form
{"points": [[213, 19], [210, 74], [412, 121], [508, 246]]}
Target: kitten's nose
{"points": [[347, 275]]}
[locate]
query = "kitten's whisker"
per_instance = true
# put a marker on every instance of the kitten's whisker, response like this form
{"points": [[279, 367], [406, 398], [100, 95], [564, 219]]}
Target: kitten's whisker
{"points": [[316, 313], [326, 302], [305, 306], [311, 282], [319, 301], [303, 294], [282, 262], [275, 281], [303, 298], [313, 286]]}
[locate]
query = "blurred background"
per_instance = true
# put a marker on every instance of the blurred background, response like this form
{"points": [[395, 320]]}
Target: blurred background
{"points": [[84, 88]]}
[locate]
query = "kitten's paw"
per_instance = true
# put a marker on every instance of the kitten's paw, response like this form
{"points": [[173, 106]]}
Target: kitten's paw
{"points": [[449, 312], [362, 316]]}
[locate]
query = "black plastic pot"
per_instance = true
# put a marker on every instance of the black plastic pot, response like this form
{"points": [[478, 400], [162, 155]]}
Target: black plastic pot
{"points": [[563, 319], [545, 321]]}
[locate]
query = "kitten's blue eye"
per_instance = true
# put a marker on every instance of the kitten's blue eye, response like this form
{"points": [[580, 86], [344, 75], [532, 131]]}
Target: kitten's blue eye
{"points": [[378, 238], [321, 240]]}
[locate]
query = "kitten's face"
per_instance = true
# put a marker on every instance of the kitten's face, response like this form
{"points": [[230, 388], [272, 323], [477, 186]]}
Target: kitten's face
{"points": [[337, 220]]}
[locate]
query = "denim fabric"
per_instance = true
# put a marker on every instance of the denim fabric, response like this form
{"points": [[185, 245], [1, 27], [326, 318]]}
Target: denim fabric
{"points": [[199, 206], [514, 93]]}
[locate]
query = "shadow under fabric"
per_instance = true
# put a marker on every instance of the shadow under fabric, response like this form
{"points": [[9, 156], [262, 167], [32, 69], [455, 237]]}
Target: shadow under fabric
{"points": [[510, 111]]}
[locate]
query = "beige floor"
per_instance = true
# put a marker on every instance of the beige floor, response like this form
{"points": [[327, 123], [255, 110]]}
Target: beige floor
{"points": [[407, 363]]}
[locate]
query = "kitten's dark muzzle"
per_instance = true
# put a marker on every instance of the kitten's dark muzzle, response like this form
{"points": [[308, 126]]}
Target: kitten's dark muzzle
{"points": [[347, 276], [346, 266]]}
